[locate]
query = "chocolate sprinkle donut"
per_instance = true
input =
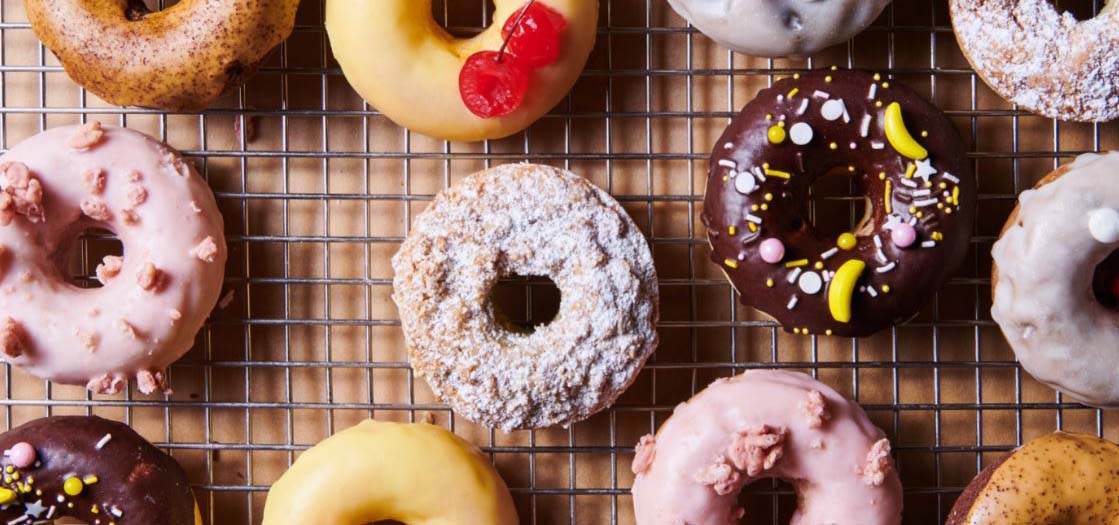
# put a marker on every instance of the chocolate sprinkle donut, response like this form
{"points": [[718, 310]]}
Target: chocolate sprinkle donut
{"points": [[920, 191], [94, 470]]}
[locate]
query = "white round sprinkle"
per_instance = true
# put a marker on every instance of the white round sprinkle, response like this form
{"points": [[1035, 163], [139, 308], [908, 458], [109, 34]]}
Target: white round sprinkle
{"points": [[811, 283], [832, 109], [800, 133], [745, 183], [1104, 225]]}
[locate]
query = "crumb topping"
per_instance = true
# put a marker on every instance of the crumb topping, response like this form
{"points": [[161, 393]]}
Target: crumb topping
{"points": [[148, 382], [205, 250], [96, 209], [21, 193], [93, 180], [109, 268], [816, 409], [149, 277], [878, 463], [86, 137], [645, 454], [11, 338], [756, 450], [720, 476], [105, 384], [137, 195]]}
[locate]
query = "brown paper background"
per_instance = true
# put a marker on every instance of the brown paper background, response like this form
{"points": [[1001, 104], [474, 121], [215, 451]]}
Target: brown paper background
{"points": [[316, 204]]}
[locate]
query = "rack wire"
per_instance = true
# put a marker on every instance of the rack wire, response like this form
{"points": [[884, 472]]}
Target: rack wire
{"points": [[318, 189]]}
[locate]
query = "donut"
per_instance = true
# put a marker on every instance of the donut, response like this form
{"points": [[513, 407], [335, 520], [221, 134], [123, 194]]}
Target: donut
{"points": [[919, 192], [177, 59], [93, 470], [528, 220], [1062, 324], [782, 28], [153, 299], [1057, 479], [1044, 61], [379, 471], [766, 424], [490, 86]]}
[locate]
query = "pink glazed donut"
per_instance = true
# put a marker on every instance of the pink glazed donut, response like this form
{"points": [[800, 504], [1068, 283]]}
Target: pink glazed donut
{"points": [[154, 298], [766, 424]]}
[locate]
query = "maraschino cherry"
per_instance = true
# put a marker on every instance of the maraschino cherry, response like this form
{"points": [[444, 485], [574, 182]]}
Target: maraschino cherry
{"points": [[494, 83]]}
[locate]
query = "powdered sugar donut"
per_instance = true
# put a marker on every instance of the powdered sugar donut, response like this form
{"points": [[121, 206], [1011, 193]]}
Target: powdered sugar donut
{"points": [[766, 424], [528, 220], [780, 28], [1064, 332], [154, 298], [1046, 62]]}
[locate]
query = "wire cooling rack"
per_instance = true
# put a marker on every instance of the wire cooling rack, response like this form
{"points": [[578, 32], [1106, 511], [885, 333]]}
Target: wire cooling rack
{"points": [[317, 190]]}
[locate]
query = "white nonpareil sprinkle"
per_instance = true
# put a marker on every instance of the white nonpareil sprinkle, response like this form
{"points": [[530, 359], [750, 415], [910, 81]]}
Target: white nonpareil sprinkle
{"points": [[877, 145], [104, 441], [928, 244], [832, 110], [801, 133], [727, 163], [877, 241], [811, 283], [803, 107], [753, 218], [925, 202], [826, 255], [908, 182], [821, 94], [792, 303], [870, 290], [950, 177], [794, 274], [887, 268], [745, 183], [728, 145], [864, 127], [873, 92], [922, 193]]}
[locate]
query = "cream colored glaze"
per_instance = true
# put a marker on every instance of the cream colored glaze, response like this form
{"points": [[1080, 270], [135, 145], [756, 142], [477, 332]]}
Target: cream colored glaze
{"points": [[781, 28], [55, 319], [1057, 479], [417, 474], [825, 455], [1043, 298], [407, 66]]}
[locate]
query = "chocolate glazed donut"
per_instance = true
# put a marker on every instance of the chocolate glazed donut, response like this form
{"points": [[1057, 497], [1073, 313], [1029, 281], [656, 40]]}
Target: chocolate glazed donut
{"points": [[920, 192], [94, 470], [177, 59]]}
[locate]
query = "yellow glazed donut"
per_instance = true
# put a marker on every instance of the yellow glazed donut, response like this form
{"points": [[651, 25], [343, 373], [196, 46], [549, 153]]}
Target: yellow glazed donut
{"points": [[407, 66], [417, 474]]}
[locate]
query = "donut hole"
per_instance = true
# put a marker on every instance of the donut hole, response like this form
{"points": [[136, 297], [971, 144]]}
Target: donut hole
{"points": [[79, 258], [521, 303], [838, 204], [150, 6], [1081, 9], [462, 19], [768, 498], [1105, 282]]}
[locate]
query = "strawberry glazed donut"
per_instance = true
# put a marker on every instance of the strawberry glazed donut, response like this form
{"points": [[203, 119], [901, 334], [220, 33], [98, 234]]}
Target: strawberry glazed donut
{"points": [[487, 87], [766, 424], [154, 298]]}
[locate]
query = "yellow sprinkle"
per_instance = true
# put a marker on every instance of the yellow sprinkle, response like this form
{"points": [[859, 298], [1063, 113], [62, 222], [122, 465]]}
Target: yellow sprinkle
{"points": [[948, 211], [15, 476], [910, 170], [776, 173], [72, 486], [94, 509], [881, 175], [725, 178], [90, 479], [888, 197], [731, 263], [886, 85], [753, 207], [70, 505], [796, 76], [765, 165], [878, 104], [7, 480], [924, 134], [765, 207], [827, 78], [851, 169], [885, 288], [919, 214], [835, 68], [847, 241], [7, 496], [769, 197], [753, 227], [943, 185], [940, 205], [833, 145], [937, 236], [769, 283], [796, 331], [794, 264], [793, 92], [819, 265], [912, 210], [956, 195], [877, 77], [39, 492], [769, 116], [732, 230], [828, 331], [9, 469]]}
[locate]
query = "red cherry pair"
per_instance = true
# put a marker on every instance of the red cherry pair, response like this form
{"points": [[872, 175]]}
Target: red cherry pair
{"points": [[494, 83]]}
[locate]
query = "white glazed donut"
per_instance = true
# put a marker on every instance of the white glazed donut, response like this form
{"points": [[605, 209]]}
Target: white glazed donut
{"points": [[155, 297], [766, 424], [1044, 262], [529, 220], [1046, 62], [779, 28]]}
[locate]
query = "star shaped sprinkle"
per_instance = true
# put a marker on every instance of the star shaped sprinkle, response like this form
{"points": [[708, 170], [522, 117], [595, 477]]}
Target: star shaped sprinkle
{"points": [[925, 169], [35, 509]]}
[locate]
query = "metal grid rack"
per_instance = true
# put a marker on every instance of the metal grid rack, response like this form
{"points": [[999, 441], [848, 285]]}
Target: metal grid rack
{"points": [[317, 190]]}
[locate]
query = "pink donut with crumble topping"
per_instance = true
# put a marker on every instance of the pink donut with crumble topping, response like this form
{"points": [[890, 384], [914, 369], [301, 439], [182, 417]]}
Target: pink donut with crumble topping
{"points": [[154, 298], [766, 424]]}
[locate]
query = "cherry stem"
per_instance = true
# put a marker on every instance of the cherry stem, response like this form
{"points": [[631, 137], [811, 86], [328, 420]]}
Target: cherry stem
{"points": [[516, 26]]}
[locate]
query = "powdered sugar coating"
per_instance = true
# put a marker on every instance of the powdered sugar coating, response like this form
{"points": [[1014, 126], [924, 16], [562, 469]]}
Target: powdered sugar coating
{"points": [[1044, 61], [528, 220], [103, 337]]}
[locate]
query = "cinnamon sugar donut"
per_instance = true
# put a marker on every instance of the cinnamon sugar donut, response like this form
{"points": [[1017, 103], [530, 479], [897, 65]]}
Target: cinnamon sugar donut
{"points": [[1046, 62], [154, 298], [528, 220]]}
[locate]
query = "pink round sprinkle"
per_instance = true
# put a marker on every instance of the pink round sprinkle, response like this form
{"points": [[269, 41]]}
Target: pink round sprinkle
{"points": [[903, 236], [22, 455], [772, 250]]}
